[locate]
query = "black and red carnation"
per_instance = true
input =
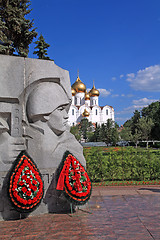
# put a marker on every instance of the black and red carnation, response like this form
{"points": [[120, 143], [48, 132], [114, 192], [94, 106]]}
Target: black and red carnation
{"points": [[25, 184], [74, 180]]}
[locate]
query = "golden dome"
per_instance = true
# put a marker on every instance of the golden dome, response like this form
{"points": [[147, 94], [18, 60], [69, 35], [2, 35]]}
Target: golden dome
{"points": [[78, 86], [87, 97], [85, 113], [93, 92], [73, 92]]}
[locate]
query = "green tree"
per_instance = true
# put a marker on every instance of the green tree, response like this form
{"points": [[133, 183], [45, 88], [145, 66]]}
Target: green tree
{"points": [[16, 32], [126, 134], [134, 121], [144, 127], [102, 133], [136, 137], [153, 112], [5, 43], [146, 124], [128, 124], [75, 131], [95, 137], [41, 46], [85, 128], [107, 133], [115, 136], [116, 125], [109, 126]]}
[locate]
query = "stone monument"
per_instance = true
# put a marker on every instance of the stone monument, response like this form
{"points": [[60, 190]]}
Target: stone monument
{"points": [[35, 96]]}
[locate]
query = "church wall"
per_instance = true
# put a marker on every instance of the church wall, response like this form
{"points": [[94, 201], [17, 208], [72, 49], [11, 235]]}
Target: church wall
{"points": [[107, 113], [83, 107], [73, 115], [87, 102], [79, 99], [94, 101], [96, 112], [73, 100], [97, 115]]}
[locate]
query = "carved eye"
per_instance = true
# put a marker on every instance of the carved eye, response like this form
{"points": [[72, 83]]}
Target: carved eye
{"points": [[60, 108]]}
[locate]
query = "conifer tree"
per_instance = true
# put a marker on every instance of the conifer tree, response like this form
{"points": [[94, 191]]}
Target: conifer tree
{"points": [[41, 46], [5, 43], [16, 32]]}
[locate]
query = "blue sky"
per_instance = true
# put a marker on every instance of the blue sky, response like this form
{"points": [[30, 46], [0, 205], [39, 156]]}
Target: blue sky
{"points": [[116, 43]]}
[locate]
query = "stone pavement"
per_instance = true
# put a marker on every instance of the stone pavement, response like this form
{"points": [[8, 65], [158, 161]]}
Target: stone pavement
{"points": [[112, 213]]}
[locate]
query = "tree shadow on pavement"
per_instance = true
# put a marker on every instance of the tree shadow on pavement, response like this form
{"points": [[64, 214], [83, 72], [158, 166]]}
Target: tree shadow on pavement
{"points": [[151, 189]]}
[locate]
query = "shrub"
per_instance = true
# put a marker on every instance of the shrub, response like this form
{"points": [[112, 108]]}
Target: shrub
{"points": [[122, 164]]}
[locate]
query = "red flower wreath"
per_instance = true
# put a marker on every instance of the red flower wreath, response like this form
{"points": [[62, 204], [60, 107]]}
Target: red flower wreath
{"points": [[74, 180], [25, 185]]}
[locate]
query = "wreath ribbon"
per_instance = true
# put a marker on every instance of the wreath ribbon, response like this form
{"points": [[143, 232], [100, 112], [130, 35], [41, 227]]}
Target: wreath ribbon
{"points": [[77, 177], [73, 180], [63, 174], [60, 184]]}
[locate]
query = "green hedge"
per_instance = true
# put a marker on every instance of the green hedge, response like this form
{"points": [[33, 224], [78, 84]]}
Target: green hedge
{"points": [[109, 164]]}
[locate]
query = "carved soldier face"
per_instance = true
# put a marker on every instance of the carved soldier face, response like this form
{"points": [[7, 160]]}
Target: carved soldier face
{"points": [[58, 120], [49, 101]]}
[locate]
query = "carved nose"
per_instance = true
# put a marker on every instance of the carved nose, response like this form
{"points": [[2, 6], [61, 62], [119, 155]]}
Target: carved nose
{"points": [[65, 116]]}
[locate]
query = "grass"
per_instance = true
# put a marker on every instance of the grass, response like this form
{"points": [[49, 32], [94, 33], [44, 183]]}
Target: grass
{"points": [[126, 183], [112, 166]]}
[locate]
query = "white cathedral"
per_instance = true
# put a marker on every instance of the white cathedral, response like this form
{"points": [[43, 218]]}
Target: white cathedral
{"points": [[86, 105]]}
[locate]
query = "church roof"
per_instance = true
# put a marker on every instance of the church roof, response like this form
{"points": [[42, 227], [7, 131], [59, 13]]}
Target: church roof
{"points": [[106, 106], [85, 113], [73, 92], [94, 92], [87, 96], [79, 86]]}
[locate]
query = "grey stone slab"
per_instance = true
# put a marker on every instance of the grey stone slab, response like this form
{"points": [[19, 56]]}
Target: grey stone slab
{"points": [[35, 97], [11, 77]]}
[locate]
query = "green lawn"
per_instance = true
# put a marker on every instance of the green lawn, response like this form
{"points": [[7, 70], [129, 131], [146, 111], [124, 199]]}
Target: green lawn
{"points": [[123, 166]]}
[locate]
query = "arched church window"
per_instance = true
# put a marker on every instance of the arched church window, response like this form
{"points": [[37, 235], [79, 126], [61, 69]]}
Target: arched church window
{"points": [[96, 112], [106, 111], [72, 111]]}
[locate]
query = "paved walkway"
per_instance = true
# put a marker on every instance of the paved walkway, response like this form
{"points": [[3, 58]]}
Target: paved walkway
{"points": [[112, 213]]}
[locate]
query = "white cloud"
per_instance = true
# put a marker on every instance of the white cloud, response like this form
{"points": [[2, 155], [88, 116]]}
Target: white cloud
{"points": [[122, 95], [130, 76], [104, 92], [114, 78], [130, 95], [134, 107], [129, 110], [121, 76], [137, 105], [126, 111], [144, 101], [147, 79], [115, 95], [124, 119]]}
